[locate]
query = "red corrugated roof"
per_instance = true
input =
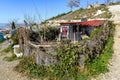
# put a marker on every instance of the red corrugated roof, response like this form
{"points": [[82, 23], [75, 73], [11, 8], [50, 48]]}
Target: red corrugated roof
{"points": [[88, 23]]}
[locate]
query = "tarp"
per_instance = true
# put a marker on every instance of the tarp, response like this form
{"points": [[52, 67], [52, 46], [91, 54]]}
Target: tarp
{"points": [[13, 32], [1, 37]]}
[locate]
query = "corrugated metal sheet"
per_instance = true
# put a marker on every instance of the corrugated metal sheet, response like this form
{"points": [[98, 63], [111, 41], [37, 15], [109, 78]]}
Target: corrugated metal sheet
{"points": [[93, 23]]}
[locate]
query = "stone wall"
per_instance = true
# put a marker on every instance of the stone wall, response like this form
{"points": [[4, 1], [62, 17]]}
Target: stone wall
{"points": [[94, 48], [45, 54]]}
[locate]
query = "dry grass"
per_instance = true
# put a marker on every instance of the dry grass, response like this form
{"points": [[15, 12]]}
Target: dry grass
{"points": [[88, 13]]}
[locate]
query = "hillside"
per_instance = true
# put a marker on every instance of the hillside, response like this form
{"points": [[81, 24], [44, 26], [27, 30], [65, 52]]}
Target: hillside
{"points": [[91, 13], [88, 13]]}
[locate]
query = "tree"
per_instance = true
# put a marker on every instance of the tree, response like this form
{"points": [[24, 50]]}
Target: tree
{"points": [[13, 25], [26, 24], [73, 3], [49, 33], [29, 21]]}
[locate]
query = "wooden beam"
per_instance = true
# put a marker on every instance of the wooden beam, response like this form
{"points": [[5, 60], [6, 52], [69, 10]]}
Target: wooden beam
{"points": [[38, 46]]}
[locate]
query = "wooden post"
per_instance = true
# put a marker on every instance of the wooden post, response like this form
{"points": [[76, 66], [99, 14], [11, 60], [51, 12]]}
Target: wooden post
{"points": [[60, 35], [23, 37], [74, 36], [20, 38], [77, 32], [67, 32]]}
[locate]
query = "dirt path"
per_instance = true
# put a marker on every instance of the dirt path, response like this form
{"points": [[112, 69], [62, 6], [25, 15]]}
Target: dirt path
{"points": [[6, 68], [114, 68]]}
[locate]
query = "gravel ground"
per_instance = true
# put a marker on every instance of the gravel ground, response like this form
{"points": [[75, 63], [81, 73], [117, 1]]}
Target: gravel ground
{"points": [[114, 68], [4, 45], [6, 68]]}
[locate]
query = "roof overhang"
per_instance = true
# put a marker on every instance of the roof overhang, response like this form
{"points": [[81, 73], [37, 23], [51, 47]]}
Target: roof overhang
{"points": [[92, 23]]}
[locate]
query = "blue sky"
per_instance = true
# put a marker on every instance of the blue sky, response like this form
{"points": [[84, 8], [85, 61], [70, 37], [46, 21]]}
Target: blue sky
{"points": [[17, 9]]}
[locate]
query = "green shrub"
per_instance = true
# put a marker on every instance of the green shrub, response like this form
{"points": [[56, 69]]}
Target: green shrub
{"points": [[68, 59], [109, 15], [50, 33], [15, 38], [1, 41], [13, 25], [101, 65], [6, 50], [96, 31], [67, 67], [60, 15], [12, 58], [30, 68]]}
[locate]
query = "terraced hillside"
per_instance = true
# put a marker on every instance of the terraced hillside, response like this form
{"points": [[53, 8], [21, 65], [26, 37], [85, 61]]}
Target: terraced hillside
{"points": [[88, 13], [91, 13]]}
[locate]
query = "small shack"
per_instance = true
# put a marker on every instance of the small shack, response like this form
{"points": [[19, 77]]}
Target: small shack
{"points": [[74, 30]]}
